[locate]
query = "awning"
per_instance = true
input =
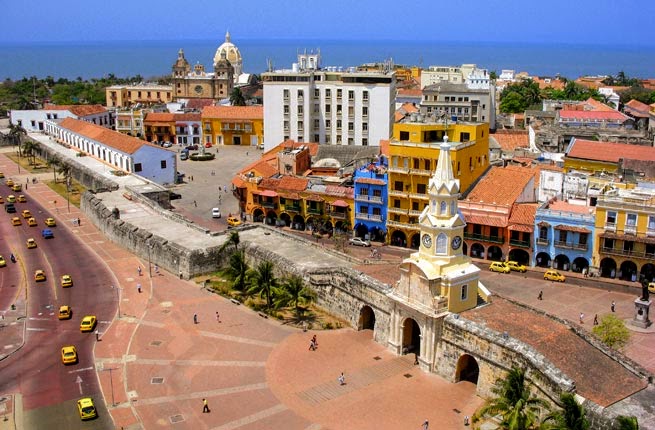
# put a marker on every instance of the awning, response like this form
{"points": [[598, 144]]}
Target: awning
{"points": [[642, 239], [268, 193], [521, 227], [157, 124], [543, 224], [311, 198], [485, 220], [290, 196], [238, 182], [181, 124], [340, 204], [572, 228]]}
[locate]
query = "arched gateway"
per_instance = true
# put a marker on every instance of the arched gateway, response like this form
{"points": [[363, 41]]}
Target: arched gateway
{"points": [[366, 319], [467, 369]]}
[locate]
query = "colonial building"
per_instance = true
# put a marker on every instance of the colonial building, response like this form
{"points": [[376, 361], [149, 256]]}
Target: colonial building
{"points": [[233, 125], [371, 200], [180, 128], [34, 120], [327, 106], [468, 74], [130, 121], [144, 94], [124, 153], [460, 102], [413, 153], [592, 157]]}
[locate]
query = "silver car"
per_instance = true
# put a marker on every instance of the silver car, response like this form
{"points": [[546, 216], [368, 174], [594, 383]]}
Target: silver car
{"points": [[358, 241]]}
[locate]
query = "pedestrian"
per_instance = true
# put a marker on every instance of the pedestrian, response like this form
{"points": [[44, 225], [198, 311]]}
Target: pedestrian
{"points": [[138, 288], [156, 269], [315, 341], [585, 272], [180, 274], [27, 181], [225, 188], [304, 326], [466, 420], [312, 345], [596, 319], [342, 379], [195, 203], [613, 306], [138, 269], [218, 317], [219, 198], [426, 425], [195, 318], [79, 223], [581, 318], [205, 406], [25, 186], [247, 153], [541, 295], [97, 335], [416, 359]]}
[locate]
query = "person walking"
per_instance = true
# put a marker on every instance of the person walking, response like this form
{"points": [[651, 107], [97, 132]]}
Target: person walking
{"points": [[156, 269], [218, 317], [79, 223], [195, 318], [97, 335], [195, 203], [342, 379], [426, 425], [581, 318], [138, 269], [205, 406], [541, 295], [596, 319], [138, 288], [613, 306], [312, 345]]}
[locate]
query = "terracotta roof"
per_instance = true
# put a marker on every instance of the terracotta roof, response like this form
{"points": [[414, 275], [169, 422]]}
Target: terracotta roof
{"points": [[491, 221], [291, 183], [609, 151], [78, 110], [159, 117], [263, 168], [523, 213], [502, 186], [509, 140], [114, 139], [594, 104], [190, 116], [637, 108], [592, 114], [199, 103], [370, 181], [233, 112], [410, 92], [560, 205], [339, 191], [290, 196], [597, 377], [238, 182], [397, 116], [572, 228], [384, 147]]}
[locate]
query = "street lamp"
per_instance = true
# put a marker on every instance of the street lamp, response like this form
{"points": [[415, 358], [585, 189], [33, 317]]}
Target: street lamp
{"points": [[118, 293], [149, 265]]}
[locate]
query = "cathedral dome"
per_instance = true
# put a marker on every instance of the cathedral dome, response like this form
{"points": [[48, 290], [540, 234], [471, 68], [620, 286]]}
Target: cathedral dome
{"points": [[230, 52]]}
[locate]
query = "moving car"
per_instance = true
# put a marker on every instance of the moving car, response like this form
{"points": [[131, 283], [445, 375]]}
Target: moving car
{"points": [[47, 233], [9, 183], [16, 221], [554, 275], [358, 241], [233, 221], [86, 408], [31, 222], [31, 243], [39, 275], [66, 281], [513, 265], [26, 213], [499, 266], [69, 355], [65, 312], [10, 208], [17, 187], [21, 199], [2, 200], [11, 198], [216, 213], [50, 222], [3, 263], [88, 323]]}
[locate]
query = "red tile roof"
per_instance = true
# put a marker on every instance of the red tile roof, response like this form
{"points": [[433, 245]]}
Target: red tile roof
{"points": [[190, 116], [159, 117], [410, 92], [492, 221], [339, 191], [233, 112], [502, 186], [637, 108], [562, 206], [593, 104], [291, 183], [113, 139], [370, 181], [509, 140], [592, 115], [78, 110], [523, 213], [609, 151], [199, 103]]}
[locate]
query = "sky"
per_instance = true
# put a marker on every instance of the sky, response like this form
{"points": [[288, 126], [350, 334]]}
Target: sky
{"points": [[598, 22]]}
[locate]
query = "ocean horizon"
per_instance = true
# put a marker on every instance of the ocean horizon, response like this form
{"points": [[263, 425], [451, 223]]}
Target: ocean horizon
{"points": [[154, 58]]}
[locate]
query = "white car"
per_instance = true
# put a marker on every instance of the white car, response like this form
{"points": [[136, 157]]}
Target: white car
{"points": [[167, 144], [216, 213], [358, 241]]}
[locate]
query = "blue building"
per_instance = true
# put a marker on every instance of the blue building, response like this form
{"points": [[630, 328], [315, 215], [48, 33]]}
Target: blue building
{"points": [[371, 200], [564, 235]]}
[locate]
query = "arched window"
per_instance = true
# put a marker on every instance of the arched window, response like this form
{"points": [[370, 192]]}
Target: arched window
{"points": [[434, 206], [443, 208], [453, 208], [442, 243]]}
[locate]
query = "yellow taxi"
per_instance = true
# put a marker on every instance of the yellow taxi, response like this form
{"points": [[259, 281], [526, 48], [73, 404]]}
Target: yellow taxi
{"points": [[17, 187], [66, 281], [11, 198], [515, 266], [69, 355], [233, 221], [21, 199], [9, 183], [15, 221], [31, 243], [651, 287], [26, 213], [86, 408], [65, 312], [499, 267], [39, 275], [1, 200], [50, 222], [3, 263], [554, 275], [88, 323], [31, 222], [2, 175]]}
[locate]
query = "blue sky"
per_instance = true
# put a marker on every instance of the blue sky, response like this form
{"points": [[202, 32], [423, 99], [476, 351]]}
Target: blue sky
{"points": [[617, 22]]}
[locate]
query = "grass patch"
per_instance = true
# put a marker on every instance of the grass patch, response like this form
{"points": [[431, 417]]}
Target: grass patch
{"points": [[26, 164], [74, 195]]}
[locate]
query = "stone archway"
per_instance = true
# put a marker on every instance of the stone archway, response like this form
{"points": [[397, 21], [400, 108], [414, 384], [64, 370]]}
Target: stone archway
{"points": [[521, 256], [361, 230], [608, 268], [494, 253], [411, 337], [258, 215], [579, 264], [271, 218], [561, 262], [467, 369], [477, 251], [415, 241], [543, 259], [298, 222], [366, 318], [648, 272], [286, 218], [628, 271], [398, 238], [311, 223]]}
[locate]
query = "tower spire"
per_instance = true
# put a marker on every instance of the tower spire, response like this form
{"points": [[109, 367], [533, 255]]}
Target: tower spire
{"points": [[443, 175]]}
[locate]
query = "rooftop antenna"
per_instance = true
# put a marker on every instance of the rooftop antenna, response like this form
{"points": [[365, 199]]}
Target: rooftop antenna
{"points": [[269, 64]]}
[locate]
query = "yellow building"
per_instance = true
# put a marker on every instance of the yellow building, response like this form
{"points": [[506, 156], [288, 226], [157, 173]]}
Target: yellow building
{"points": [[413, 154], [625, 234], [607, 157], [124, 96], [233, 125]]}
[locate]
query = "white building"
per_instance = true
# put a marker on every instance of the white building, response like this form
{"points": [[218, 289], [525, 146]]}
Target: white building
{"points": [[329, 106], [468, 74], [34, 120], [120, 151]]}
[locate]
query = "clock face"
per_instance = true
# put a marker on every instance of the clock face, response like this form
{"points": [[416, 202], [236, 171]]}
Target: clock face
{"points": [[457, 242], [427, 240], [198, 89]]}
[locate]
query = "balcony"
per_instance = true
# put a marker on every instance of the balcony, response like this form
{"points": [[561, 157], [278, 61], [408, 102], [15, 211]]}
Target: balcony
{"points": [[543, 241], [418, 196], [420, 172], [521, 243], [580, 246], [412, 212], [338, 215], [562, 244], [650, 232], [314, 211], [481, 237], [397, 169], [292, 208], [404, 225], [610, 226], [366, 198], [630, 229], [370, 217], [398, 193], [270, 205], [623, 252], [398, 211]]}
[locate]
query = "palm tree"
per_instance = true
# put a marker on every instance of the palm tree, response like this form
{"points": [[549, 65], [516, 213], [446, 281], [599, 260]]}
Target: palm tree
{"points": [[237, 270], [518, 409], [65, 170], [54, 162], [16, 132], [236, 98], [29, 149], [571, 417], [627, 423], [263, 282], [293, 292], [233, 239]]}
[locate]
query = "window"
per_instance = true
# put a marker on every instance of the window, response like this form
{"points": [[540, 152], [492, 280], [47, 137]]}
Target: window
{"points": [[328, 124], [404, 135], [420, 188], [351, 111], [316, 123], [582, 240], [338, 124], [286, 125], [631, 220], [339, 109], [364, 141], [300, 109], [562, 236], [464, 137], [351, 141], [453, 207], [339, 92], [365, 111], [317, 93], [543, 233], [138, 167], [398, 185], [351, 126], [365, 95], [442, 243], [651, 222], [328, 93], [364, 126], [442, 208], [610, 217], [286, 94], [300, 126], [396, 203], [351, 95], [465, 293], [163, 164], [300, 94], [628, 246], [286, 109], [363, 209], [328, 108]]}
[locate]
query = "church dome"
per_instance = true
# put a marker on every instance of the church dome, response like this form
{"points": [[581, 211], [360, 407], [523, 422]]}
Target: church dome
{"points": [[231, 53]]}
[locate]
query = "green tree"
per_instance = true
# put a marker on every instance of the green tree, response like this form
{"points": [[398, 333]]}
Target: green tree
{"points": [[17, 134], [512, 103], [293, 292], [29, 149], [232, 240], [55, 163], [262, 281], [236, 98], [237, 270], [570, 417], [627, 423], [518, 409], [612, 332]]}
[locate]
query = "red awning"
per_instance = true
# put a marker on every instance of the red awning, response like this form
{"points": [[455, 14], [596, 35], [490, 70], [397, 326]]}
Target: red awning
{"points": [[572, 228], [521, 227], [268, 193], [340, 203], [181, 124]]}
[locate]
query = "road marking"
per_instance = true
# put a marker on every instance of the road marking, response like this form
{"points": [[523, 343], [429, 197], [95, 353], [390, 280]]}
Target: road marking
{"points": [[252, 418], [36, 329], [39, 319], [78, 381], [80, 370]]}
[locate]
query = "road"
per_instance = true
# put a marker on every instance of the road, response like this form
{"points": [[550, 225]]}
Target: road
{"points": [[50, 389]]}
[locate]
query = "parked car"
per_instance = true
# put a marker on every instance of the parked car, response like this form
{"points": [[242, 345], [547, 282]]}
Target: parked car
{"points": [[499, 267], [651, 287], [167, 144], [358, 241], [184, 155], [193, 147], [216, 213], [208, 145], [515, 266], [554, 275]]}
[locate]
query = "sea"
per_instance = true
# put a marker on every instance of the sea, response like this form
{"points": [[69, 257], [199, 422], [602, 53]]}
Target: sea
{"points": [[155, 58]]}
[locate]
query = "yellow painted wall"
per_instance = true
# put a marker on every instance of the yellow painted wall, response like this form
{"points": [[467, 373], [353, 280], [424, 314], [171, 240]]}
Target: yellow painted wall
{"points": [[216, 130], [455, 304], [588, 165]]}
